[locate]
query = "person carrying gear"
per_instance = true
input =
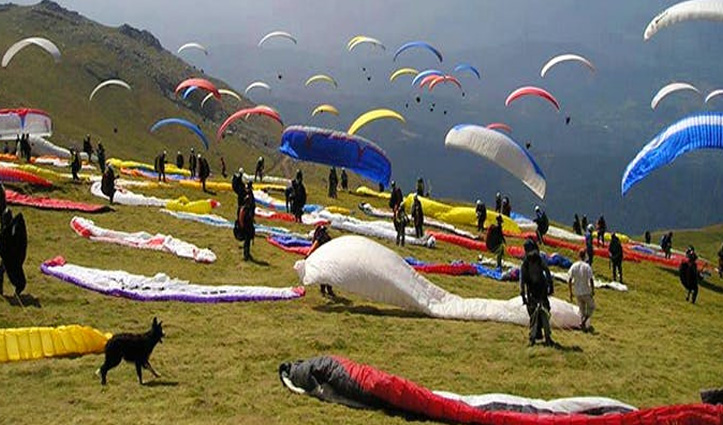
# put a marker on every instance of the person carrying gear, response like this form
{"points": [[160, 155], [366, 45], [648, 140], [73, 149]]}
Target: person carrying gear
{"points": [[498, 203], [689, 275], [204, 171], [576, 226], [647, 237], [192, 163], [107, 183], [160, 166], [666, 244], [506, 206], [397, 197], [179, 160], [543, 224], [75, 164], [535, 288], [602, 227], [581, 285], [299, 199], [481, 212], [420, 186], [400, 224], [88, 147], [333, 183], [244, 229], [589, 248], [321, 236], [418, 217], [259, 173], [495, 240], [616, 256], [101, 157], [344, 180], [237, 184]]}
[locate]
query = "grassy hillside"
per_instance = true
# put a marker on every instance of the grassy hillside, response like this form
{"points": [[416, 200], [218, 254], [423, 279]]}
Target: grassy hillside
{"points": [[92, 53]]}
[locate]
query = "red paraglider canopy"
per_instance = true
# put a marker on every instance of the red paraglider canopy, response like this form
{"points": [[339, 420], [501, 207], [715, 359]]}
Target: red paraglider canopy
{"points": [[532, 91], [200, 83], [246, 112]]}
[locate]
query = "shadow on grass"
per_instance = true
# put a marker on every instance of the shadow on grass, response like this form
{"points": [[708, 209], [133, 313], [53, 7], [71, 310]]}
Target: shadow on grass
{"points": [[368, 310], [25, 300], [259, 262], [703, 283], [160, 384]]}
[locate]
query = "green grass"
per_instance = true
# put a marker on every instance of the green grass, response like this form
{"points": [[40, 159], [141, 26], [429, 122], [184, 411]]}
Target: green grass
{"points": [[220, 361]]}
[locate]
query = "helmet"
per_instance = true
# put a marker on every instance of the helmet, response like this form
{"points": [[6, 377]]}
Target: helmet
{"points": [[479, 202], [498, 194], [590, 228], [690, 252], [394, 183], [537, 208]]}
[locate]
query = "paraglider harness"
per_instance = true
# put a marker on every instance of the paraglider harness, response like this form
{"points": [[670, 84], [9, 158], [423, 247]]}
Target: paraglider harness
{"points": [[536, 285]]}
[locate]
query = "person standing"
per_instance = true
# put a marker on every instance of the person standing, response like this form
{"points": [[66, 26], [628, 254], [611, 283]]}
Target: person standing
{"points": [[535, 288], [107, 183], [192, 163], [259, 173], [179, 160], [344, 180], [88, 148], [689, 276], [584, 222], [237, 184], [321, 236], [333, 183], [25, 148], [498, 203], [647, 237], [204, 171], [506, 206], [244, 227], [75, 164], [101, 157], [400, 224], [397, 197], [666, 244], [576, 226], [420, 187], [418, 217], [495, 240], [616, 256], [480, 211], [602, 227], [299, 198], [543, 224], [223, 168], [589, 248], [6, 217], [289, 196], [582, 286]]}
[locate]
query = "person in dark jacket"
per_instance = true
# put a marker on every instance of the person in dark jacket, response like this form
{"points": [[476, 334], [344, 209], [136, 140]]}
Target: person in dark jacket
{"points": [[244, 227], [616, 256], [299, 200], [238, 186], [498, 203], [506, 206], [344, 180], [584, 223], [204, 171], [289, 196], [420, 186], [689, 276], [88, 147], [535, 287], [589, 245], [602, 227], [101, 157], [107, 183], [75, 164], [13, 246], [543, 224], [25, 148], [192, 163], [648, 237], [259, 173], [418, 217], [321, 236], [400, 224], [480, 211], [223, 168], [495, 240], [576, 226], [160, 166], [179, 160], [397, 197], [333, 182], [666, 244]]}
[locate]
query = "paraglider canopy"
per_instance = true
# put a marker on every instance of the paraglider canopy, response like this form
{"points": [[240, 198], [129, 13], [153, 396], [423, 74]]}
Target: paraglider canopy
{"points": [[710, 10], [319, 78], [373, 115], [500, 149], [185, 123], [277, 34], [222, 91], [565, 58], [402, 71], [417, 45], [256, 84], [671, 88], [193, 45], [244, 113], [325, 108], [30, 121], [363, 39], [199, 83], [43, 43], [469, 68], [106, 83], [532, 91], [424, 74]]}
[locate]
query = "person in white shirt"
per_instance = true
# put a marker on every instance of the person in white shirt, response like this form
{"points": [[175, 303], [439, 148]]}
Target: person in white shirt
{"points": [[582, 286]]}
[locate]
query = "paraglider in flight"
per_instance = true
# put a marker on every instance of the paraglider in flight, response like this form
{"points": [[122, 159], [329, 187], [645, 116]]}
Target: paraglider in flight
{"points": [[277, 34], [193, 45], [701, 131], [445, 79], [244, 113], [671, 88], [321, 77], [362, 39], [188, 92], [418, 44], [107, 83], [499, 126], [532, 91], [709, 10], [199, 83], [565, 58], [222, 91], [424, 74], [418, 99], [371, 116], [43, 43], [528, 145], [467, 67], [324, 108], [337, 149], [500, 149], [256, 84], [567, 120], [180, 121], [402, 71], [714, 93], [280, 76], [428, 79]]}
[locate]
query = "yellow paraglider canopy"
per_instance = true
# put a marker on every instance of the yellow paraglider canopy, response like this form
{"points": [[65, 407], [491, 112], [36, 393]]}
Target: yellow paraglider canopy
{"points": [[402, 71], [321, 77], [325, 108], [373, 115]]}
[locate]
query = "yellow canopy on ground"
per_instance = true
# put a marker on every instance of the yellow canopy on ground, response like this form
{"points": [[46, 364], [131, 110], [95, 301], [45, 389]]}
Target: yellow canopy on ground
{"points": [[458, 215], [36, 343], [365, 191], [183, 204], [170, 168]]}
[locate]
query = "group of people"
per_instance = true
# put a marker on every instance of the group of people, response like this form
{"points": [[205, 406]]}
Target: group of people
{"points": [[22, 146], [295, 196], [580, 226], [400, 218], [334, 182], [197, 165], [503, 205]]}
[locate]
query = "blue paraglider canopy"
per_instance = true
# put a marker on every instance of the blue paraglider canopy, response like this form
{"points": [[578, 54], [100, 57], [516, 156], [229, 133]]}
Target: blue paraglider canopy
{"points": [[337, 149], [180, 121], [701, 131], [418, 44]]}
